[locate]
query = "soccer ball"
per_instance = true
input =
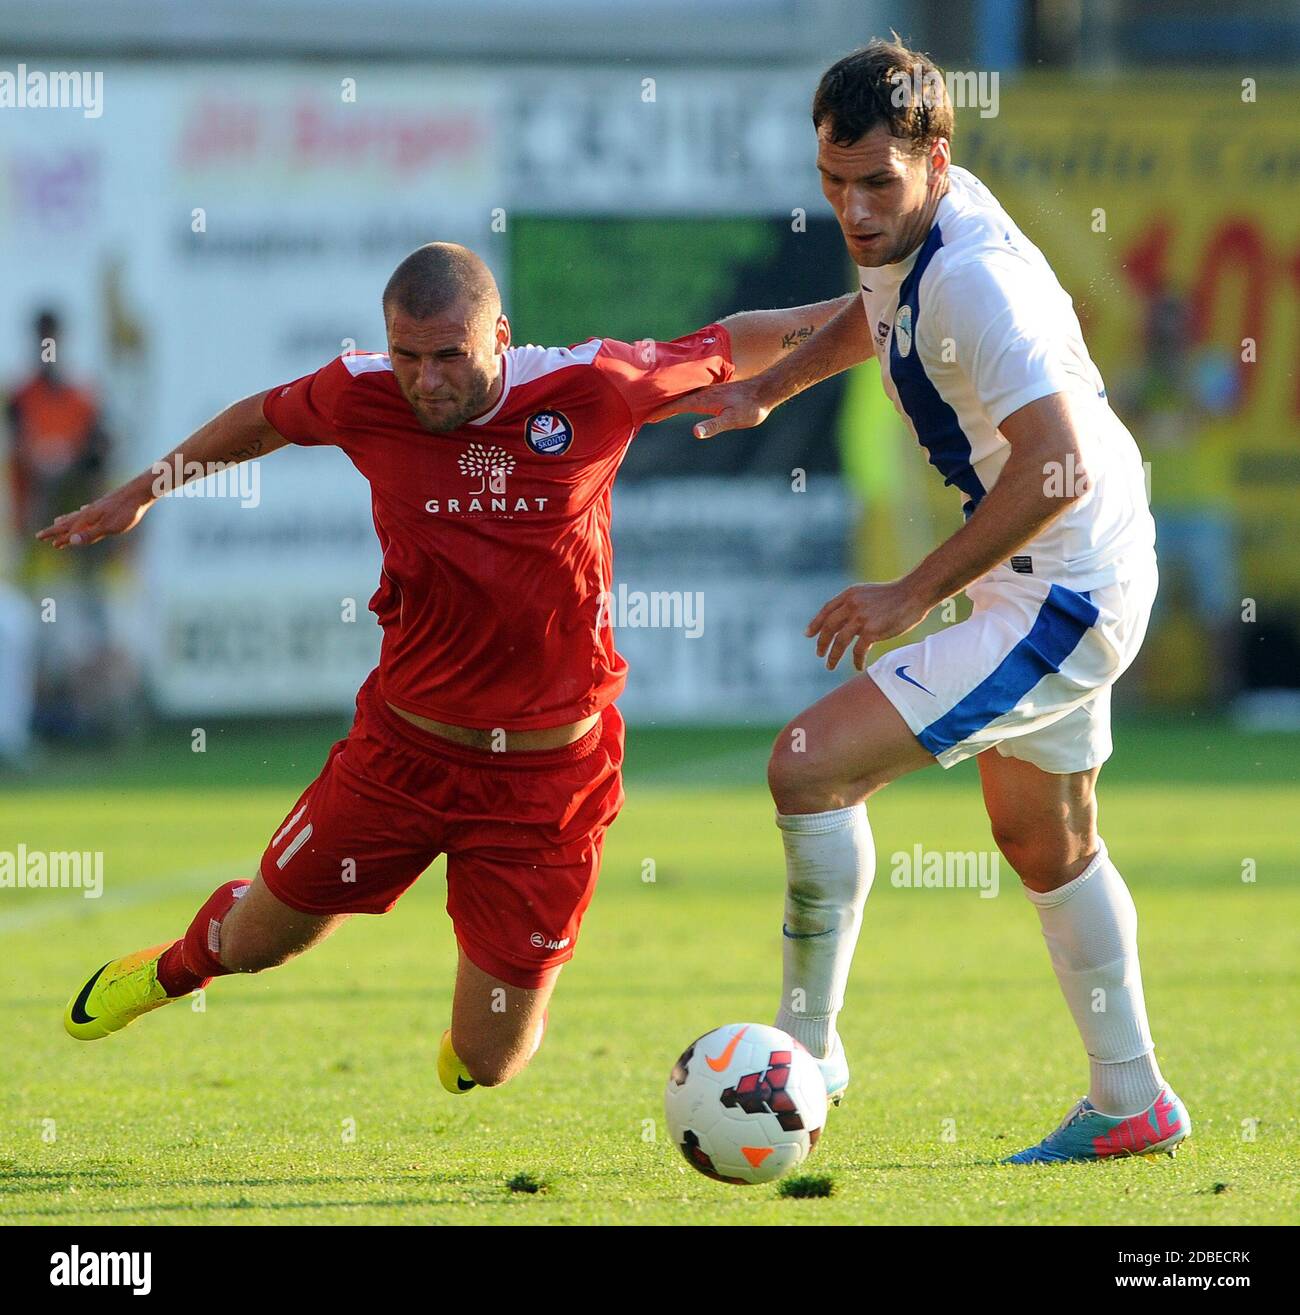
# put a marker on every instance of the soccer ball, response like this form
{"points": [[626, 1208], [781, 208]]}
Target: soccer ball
{"points": [[745, 1103]]}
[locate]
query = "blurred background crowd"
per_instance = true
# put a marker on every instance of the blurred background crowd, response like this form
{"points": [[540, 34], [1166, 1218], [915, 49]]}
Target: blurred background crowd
{"points": [[223, 220]]}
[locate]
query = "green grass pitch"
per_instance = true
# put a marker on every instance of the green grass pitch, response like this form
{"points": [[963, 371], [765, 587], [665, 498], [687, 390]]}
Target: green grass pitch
{"points": [[307, 1094]]}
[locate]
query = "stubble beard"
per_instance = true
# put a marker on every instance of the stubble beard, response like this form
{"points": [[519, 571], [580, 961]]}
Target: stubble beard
{"points": [[916, 230], [472, 406]]}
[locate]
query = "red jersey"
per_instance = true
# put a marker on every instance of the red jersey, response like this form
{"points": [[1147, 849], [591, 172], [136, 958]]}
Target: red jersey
{"points": [[496, 535]]}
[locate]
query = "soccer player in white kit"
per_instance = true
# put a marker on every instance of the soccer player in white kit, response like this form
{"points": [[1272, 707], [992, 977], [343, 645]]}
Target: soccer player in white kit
{"points": [[982, 354]]}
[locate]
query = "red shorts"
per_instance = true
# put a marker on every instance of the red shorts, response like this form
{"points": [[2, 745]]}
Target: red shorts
{"points": [[522, 832]]}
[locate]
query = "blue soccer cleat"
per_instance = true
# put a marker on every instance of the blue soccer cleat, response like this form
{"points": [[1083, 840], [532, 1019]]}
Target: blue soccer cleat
{"points": [[1088, 1134]]}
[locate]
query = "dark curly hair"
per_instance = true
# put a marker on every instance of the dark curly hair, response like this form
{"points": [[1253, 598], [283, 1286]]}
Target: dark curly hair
{"points": [[883, 82]]}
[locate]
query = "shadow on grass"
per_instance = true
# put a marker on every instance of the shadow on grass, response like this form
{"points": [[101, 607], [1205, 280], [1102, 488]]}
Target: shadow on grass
{"points": [[183, 1208]]}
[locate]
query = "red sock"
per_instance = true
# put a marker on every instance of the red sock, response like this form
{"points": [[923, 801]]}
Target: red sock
{"points": [[192, 962]]}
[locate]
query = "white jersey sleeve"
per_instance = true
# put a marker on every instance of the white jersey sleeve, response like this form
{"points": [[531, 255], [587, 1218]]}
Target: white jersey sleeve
{"points": [[972, 326], [1005, 333]]}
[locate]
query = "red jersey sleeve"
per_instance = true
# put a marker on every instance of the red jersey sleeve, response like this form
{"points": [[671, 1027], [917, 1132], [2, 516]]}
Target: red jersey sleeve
{"points": [[304, 411], [647, 374]]}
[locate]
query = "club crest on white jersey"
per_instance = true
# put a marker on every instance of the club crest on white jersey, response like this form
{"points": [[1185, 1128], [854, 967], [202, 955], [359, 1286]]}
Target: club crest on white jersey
{"points": [[903, 330]]}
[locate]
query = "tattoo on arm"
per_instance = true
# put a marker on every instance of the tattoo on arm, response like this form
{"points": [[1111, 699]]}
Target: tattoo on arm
{"points": [[795, 337], [250, 449]]}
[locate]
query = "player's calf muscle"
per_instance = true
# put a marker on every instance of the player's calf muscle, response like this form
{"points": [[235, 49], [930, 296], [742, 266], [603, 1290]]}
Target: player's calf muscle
{"points": [[260, 932]]}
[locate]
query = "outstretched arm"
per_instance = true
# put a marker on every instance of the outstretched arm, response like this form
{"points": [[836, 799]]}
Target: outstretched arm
{"points": [[785, 364], [760, 339], [240, 433]]}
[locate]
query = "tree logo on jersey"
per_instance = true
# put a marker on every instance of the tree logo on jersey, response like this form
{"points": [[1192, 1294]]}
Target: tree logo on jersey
{"points": [[765, 1093], [548, 433], [903, 330], [488, 465]]}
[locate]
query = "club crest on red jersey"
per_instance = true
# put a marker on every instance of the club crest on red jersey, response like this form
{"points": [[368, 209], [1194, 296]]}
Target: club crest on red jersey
{"points": [[548, 433]]}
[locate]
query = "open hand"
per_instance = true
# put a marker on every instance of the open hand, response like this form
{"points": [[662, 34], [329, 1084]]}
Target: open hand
{"points": [[736, 405], [114, 513], [866, 613]]}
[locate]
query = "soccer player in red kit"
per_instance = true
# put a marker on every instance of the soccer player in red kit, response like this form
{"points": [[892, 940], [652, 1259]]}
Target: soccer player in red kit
{"points": [[488, 732]]}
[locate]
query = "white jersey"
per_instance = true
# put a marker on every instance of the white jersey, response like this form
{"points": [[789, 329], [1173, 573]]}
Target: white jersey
{"points": [[971, 327]]}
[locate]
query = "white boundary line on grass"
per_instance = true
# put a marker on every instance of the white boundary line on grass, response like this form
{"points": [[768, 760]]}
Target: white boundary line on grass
{"points": [[149, 891]]}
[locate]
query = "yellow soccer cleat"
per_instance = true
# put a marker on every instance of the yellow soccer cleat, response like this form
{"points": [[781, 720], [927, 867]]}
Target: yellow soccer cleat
{"points": [[116, 995], [453, 1075]]}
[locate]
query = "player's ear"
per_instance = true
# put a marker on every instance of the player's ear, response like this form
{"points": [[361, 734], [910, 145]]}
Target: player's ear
{"points": [[502, 335], [940, 157]]}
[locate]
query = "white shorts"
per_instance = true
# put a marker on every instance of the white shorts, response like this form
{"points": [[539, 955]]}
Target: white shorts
{"points": [[1029, 672]]}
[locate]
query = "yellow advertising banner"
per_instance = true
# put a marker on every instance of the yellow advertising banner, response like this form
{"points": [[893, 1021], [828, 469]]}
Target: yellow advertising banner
{"points": [[1170, 210]]}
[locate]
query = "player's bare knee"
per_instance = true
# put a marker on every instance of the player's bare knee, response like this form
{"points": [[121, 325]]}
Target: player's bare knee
{"points": [[490, 1068], [801, 783], [785, 761], [796, 791], [491, 1075], [798, 780], [1017, 845], [1041, 864]]}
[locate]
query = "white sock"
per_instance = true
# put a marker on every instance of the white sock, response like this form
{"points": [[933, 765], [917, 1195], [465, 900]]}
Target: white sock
{"points": [[1090, 926], [830, 861]]}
